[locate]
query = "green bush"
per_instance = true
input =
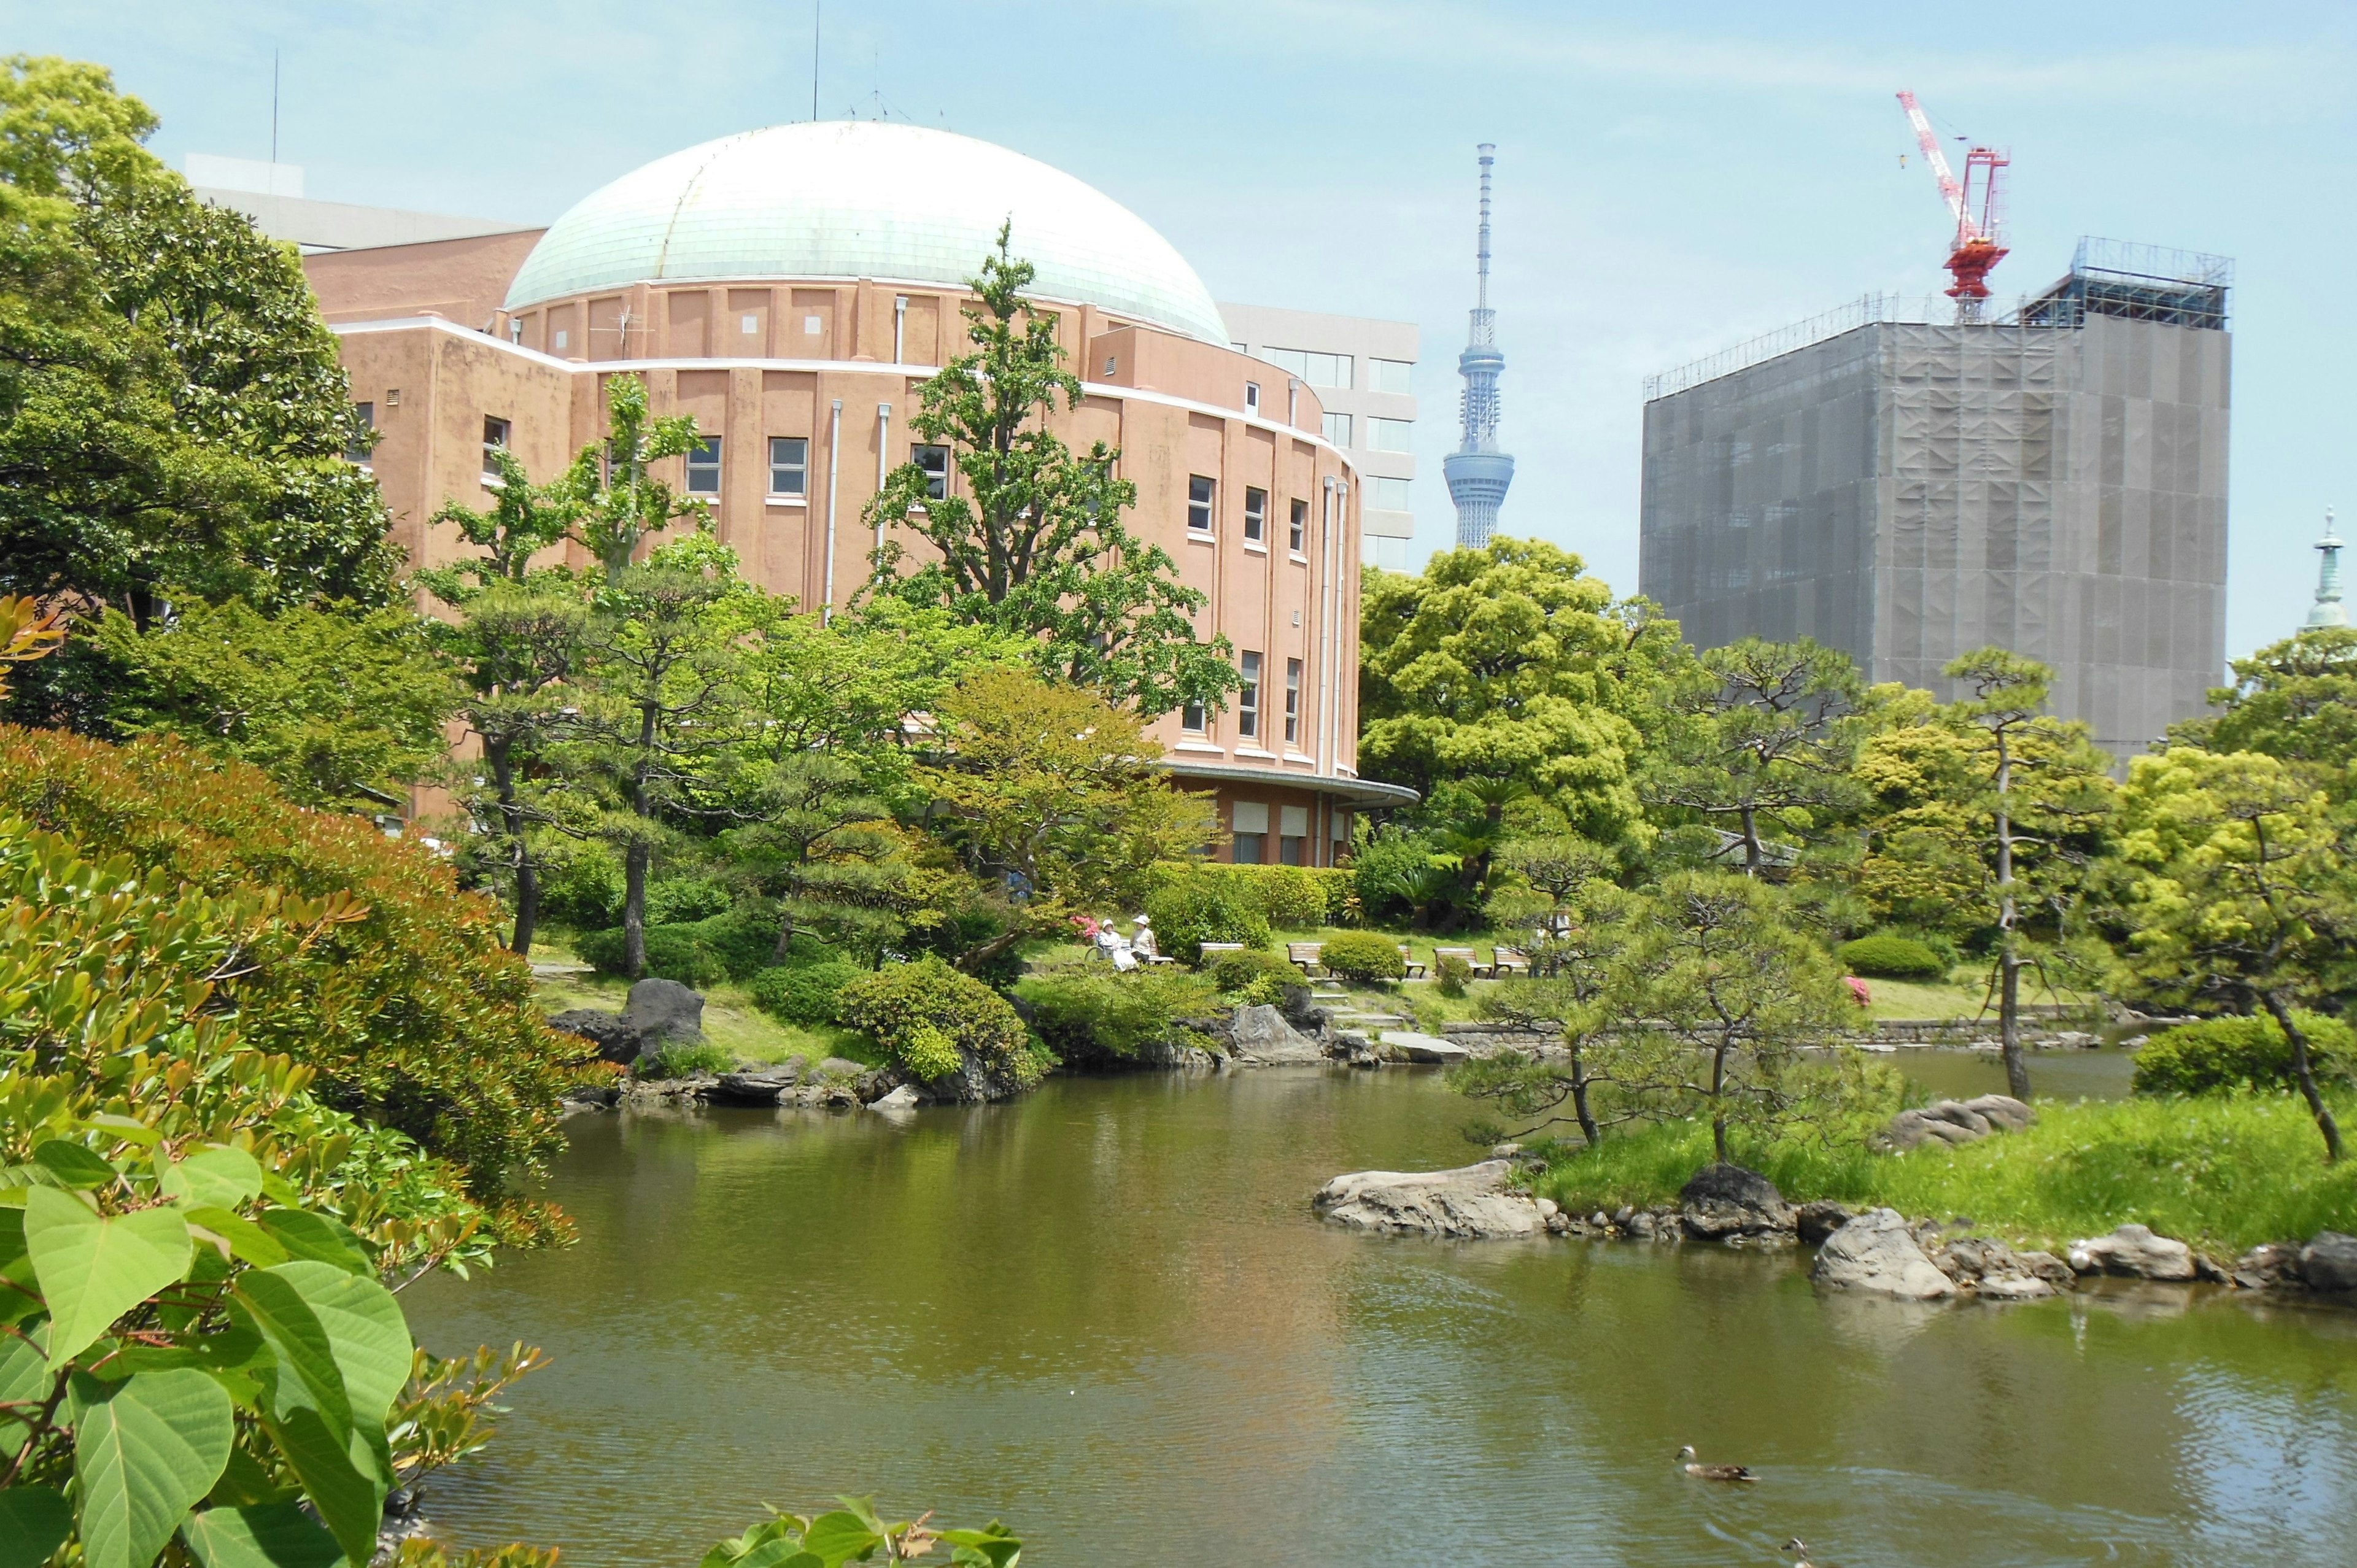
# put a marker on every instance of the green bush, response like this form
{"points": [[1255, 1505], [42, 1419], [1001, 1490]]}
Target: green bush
{"points": [[1255, 970], [407, 1003], [1453, 974], [729, 945], [1886, 956], [1189, 911], [683, 901], [1098, 1014], [681, 1058], [803, 992], [894, 1005], [2218, 1056], [580, 884], [1292, 898], [1363, 956]]}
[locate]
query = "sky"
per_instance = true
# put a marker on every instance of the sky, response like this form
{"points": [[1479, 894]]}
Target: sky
{"points": [[1670, 181]]}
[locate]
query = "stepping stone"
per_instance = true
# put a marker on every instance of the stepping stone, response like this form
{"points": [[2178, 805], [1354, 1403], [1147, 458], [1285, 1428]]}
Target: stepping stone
{"points": [[1431, 1049]]}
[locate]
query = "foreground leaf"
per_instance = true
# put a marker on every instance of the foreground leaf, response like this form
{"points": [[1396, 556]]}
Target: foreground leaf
{"points": [[307, 1235], [272, 1535], [339, 1473], [216, 1175], [367, 1334], [145, 1450], [34, 1522], [73, 1165], [93, 1268]]}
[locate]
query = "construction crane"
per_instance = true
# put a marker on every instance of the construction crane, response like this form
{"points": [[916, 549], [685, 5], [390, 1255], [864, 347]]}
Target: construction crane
{"points": [[1978, 244]]}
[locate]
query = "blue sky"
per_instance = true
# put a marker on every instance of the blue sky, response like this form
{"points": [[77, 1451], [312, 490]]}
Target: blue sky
{"points": [[1672, 180]]}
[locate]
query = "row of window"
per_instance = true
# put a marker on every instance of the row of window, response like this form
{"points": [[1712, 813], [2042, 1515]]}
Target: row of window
{"points": [[1248, 701], [1383, 435], [1202, 511], [1251, 824], [1334, 370]]}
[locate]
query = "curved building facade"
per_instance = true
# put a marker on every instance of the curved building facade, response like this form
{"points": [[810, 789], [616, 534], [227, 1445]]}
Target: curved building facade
{"points": [[793, 288]]}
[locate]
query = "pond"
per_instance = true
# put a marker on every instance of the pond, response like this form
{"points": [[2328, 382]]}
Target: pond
{"points": [[1106, 1314]]}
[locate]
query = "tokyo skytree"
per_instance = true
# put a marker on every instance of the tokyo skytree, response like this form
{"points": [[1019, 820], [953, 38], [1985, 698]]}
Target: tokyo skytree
{"points": [[1478, 472]]}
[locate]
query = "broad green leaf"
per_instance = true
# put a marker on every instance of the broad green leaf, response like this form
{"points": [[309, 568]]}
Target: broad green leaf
{"points": [[366, 1331], [24, 1369], [778, 1554], [215, 1176], [73, 1165], [93, 1270], [348, 1493], [306, 1375], [269, 1535], [12, 1235], [245, 1482], [315, 1236], [34, 1523], [145, 1450], [125, 1128], [245, 1239], [836, 1538]]}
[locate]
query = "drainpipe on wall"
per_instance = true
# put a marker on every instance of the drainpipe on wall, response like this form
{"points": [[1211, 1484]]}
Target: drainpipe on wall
{"points": [[1326, 633], [834, 451], [884, 439], [1292, 403], [899, 324]]}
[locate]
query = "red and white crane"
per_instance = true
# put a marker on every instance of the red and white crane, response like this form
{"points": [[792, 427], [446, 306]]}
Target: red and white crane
{"points": [[1979, 245]]}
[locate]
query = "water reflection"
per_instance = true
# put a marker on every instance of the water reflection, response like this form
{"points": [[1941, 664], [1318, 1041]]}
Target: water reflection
{"points": [[1106, 1314]]}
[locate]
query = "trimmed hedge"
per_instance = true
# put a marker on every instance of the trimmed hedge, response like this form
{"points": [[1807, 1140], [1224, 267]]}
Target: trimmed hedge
{"points": [[1885, 956], [1363, 956], [1186, 912], [1292, 898], [804, 993], [1233, 972], [2221, 1056], [911, 1009], [1096, 1014]]}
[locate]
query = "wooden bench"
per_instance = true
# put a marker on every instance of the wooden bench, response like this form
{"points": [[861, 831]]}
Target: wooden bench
{"points": [[1306, 954], [1465, 953], [1212, 951], [1407, 962], [1509, 961]]}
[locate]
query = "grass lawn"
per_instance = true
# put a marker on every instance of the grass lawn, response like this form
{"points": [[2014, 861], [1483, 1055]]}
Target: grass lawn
{"points": [[730, 1020], [2223, 1173], [1955, 998]]}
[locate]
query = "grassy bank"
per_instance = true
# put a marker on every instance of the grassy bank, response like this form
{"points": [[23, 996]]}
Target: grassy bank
{"points": [[730, 1021], [2225, 1174]]}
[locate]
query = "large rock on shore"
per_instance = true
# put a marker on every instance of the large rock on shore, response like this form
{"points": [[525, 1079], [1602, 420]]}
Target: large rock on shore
{"points": [[664, 1010], [1876, 1252], [1956, 1122], [757, 1086], [1722, 1201], [2330, 1262], [617, 1038], [1471, 1202], [1991, 1268], [2133, 1251], [1262, 1037]]}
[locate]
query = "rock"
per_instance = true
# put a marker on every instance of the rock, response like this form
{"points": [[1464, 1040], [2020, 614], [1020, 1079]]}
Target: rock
{"points": [[2330, 1262], [617, 1038], [2047, 1267], [841, 1066], [2075, 1040], [2270, 1267], [1989, 1268], [663, 1011], [1816, 1222], [1955, 1122], [1504, 1151], [2134, 1252], [1876, 1252], [1429, 1049], [904, 1097], [1640, 1225], [1726, 1201], [1263, 1037], [757, 1086], [1469, 1202]]}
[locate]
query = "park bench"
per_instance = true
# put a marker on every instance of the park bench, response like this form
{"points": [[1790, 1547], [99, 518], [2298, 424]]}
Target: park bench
{"points": [[1507, 960], [1408, 962], [1465, 953], [1305, 955]]}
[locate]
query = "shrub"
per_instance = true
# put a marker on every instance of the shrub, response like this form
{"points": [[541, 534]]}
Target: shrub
{"points": [[681, 1058], [408, 1005], [1186, 912], [803, 992], [1886, 956], [2221, 1054], [1453, 975], [1255, 970], [580, 884], [1097, 1015], [1363, 956], [892, 1006], [682, 900], [728, 946], [1292, 898]]}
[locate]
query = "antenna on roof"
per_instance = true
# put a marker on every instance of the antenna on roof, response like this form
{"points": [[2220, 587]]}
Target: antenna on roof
{"points": [[814, 10], [273, 106]]}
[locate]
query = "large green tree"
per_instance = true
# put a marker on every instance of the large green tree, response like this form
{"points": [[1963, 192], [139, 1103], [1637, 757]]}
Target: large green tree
{"points": [[1035, 544], [2295, 699], [174, 421]]}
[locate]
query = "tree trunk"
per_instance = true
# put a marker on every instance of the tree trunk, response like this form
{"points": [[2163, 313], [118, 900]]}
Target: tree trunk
{"points": [[2008, 1020], [1579, 1107], [1751, 856], [634, 907], [500, 754], [2303, 1071], [1718, 1101]]}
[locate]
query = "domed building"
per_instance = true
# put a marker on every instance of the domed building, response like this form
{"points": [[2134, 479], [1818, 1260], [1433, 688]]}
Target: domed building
{"points": [[793, 288]]}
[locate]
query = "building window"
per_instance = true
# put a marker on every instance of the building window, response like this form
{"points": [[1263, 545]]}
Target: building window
{"points": [[495, 440], [1390, 375], [935, 462], [1251, 397], [515, 331], [1200, 491], [358, 451], [788, 466], [561, 336], [1255, 514], [1249, 827], [749, 324], [1292, 702], [1299, 529], [1248, 699], [1388, 495], [1389, 434], [704, 467], [1292, 834], [1190, 718], [1337, 429], [1317, 370]]}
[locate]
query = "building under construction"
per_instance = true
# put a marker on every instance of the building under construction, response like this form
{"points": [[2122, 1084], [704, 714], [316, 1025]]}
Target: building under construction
{"points": [[2050, 478]]}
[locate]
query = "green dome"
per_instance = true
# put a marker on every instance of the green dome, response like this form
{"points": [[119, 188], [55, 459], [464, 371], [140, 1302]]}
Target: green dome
{"points": [[854, 199]]}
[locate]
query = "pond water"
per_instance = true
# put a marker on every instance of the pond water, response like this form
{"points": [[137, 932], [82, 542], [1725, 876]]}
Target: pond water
{"points": [[1106, 1314]]}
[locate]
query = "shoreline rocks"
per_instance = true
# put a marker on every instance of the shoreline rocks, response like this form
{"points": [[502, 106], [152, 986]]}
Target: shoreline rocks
{"points": [[1728, 1203], [1955, 1122], [2133, 1251], [1878, 1252], [1471, 1202]]}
